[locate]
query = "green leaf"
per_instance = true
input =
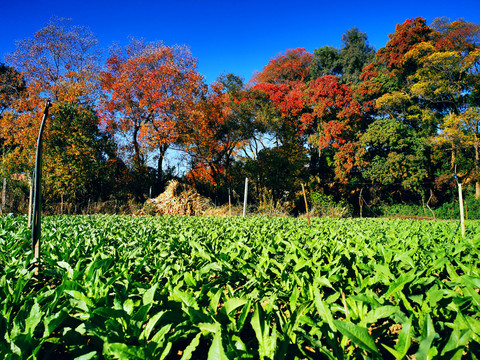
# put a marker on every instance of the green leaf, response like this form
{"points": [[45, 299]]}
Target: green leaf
{"points": [[33, 319], [216, 351], [358, 335], [188, 352], [159, 337], [267, 341], [232, 304], [405, 338], [149, 295], [215, 299], [83, 301], [425, 349], [145, 335], [87, 356], [243, 316], [399, 284], [53, 321], [324, 310], [459, 338], [184, 298], [123, 352], [67, 267], [381, 312], [209, 327], [128, 306]]}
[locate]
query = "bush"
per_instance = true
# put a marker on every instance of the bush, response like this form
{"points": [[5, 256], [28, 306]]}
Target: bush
{"points": [[446, 211], [324, 205], [402, 210], [451, 210]]}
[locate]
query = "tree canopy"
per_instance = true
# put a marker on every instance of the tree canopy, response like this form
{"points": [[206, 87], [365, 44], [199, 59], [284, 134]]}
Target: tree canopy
{"points": [[399, 120]]}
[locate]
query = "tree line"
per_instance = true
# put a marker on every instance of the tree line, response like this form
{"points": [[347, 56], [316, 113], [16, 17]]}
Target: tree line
{"points": [[396, 123]]}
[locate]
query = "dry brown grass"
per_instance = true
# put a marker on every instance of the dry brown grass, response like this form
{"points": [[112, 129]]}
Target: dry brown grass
{"points": [[178, 199]]}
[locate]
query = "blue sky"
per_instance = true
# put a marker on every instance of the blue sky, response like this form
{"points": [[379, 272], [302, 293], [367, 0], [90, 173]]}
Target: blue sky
{"points": [[227, 36]]}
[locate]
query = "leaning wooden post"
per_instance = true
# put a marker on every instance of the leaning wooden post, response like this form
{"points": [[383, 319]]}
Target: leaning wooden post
{"points": [[306, 205], [360, 202], [245, 197], [37, 194]]}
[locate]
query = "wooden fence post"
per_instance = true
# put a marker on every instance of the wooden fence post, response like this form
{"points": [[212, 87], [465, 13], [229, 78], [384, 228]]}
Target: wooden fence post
{"points": [[306, 205], [360, 202], [460, 201], [4, 195], [229, 203], [245, 197]]}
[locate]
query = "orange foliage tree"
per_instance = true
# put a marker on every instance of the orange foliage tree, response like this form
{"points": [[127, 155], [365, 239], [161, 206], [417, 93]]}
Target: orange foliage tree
{"points": [[292, 66], [150, 89], [220, 126], [59, 63]]}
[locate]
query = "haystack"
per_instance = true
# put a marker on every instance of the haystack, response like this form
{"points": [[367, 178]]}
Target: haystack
{"points": [[180, 199]]}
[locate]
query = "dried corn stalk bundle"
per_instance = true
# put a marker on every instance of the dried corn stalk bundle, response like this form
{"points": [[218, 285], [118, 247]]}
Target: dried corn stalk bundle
{"points": [[180, 199]]}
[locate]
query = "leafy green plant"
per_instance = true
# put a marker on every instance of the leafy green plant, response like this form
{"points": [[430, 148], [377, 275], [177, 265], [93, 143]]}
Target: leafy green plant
{"points": [[324, 205], [121, 287]]}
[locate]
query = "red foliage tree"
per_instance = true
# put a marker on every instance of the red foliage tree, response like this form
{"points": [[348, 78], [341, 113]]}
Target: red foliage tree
{"points": [[458, 35], [219, 125], [151, 88], [332, 118], [293, 66], [408, 34]]}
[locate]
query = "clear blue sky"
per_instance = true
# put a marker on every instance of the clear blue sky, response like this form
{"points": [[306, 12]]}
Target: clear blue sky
{"points": [[227, 36]]}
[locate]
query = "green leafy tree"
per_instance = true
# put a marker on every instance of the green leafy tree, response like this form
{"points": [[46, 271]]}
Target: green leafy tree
{"points": [[391, 154], [326, 61], [354, 55], [77, 154]]}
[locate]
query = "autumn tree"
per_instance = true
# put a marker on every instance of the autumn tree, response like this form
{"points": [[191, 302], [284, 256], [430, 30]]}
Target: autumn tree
{"points": [[12, 87], [292, 66], [59, 63], [445, 84], [150, 88], [406, 36], [220, 124], [389, 70], [331, 119]]}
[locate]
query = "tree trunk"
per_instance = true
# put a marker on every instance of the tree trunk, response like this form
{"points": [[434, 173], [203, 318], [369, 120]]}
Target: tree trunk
{"points": [[453, 160], [161, 157], [137, 161]]}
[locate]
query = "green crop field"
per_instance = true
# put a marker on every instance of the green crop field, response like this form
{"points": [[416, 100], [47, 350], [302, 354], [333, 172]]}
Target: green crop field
{"points": [[114, 287]]}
